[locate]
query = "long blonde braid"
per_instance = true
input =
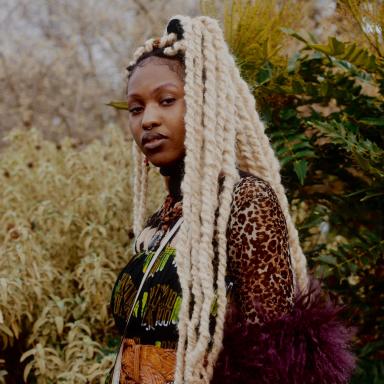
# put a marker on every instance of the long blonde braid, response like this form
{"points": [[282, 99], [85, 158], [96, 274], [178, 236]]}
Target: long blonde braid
{"points": [[255, 135], [212, 165], [226, 126], [191, 188], [139, 189], [223, 130]]}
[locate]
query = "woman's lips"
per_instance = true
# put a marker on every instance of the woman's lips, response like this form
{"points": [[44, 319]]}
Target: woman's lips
{"points": [[154, 143], [151, 140]]}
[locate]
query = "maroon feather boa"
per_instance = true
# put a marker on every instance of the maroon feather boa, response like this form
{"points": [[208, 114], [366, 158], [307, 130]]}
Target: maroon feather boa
{"points": [[309, 345]]}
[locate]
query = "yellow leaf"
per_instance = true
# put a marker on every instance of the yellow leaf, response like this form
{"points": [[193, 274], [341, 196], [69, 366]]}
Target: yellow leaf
{"points": [[6, 330], [27, 369], [59, 321], [87, 242], [39, 323], [118, 104], [27, 354], [16, 329]]}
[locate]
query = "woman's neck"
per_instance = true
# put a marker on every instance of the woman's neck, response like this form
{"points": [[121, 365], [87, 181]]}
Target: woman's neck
{"points": [[174, 174]]}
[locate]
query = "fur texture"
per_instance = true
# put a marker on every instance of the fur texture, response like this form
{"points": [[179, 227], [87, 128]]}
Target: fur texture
{"points": [[307, 346]]}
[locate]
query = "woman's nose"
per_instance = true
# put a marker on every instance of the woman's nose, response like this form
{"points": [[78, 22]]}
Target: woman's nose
{"points": [[150, 118]]}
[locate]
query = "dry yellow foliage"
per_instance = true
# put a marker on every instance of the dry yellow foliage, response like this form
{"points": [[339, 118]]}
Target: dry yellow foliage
{"points": [[65, 233], [253, 29], [363, 21]]}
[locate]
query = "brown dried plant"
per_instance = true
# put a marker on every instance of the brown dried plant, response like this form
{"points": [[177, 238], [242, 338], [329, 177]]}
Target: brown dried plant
{"points": [[61, 61]]}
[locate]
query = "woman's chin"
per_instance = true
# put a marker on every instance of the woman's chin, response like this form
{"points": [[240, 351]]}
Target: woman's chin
{"points": [[161, 160]]}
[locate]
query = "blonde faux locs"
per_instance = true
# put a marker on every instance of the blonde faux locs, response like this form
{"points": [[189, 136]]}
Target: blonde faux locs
{"points": [[223, 132]]}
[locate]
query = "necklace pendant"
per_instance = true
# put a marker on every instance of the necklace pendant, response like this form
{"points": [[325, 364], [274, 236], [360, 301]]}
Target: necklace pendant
{"points": [[156, 239]]}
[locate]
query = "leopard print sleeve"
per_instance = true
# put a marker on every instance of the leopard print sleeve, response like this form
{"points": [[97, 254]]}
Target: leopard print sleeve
{"points": [[258, 252]]}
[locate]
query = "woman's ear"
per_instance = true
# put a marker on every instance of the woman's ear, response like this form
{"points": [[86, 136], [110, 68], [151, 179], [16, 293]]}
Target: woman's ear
{"points": [[174, 26]]}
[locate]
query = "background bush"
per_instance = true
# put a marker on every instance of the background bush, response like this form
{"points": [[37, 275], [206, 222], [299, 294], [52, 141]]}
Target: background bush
{"points": [[65, 206], [65, 233], [323, 106]]}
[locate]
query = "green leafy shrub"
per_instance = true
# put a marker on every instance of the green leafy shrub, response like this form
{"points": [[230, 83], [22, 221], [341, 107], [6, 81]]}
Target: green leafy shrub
{"points": [[323, 107]]}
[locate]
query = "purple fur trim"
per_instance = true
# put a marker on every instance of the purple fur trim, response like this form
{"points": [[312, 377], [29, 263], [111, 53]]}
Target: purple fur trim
{"points": [[310, 345]]}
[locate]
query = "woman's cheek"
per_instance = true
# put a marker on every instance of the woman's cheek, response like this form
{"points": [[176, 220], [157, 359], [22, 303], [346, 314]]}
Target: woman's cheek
{"points": [[135, 131]]}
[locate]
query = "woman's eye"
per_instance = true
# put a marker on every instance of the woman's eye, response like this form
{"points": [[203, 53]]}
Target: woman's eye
{"points": [[135, 110], [168, 101]]}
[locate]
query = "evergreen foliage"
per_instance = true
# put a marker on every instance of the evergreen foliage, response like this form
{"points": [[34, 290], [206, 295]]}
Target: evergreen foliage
{"points": [[323, 107]]}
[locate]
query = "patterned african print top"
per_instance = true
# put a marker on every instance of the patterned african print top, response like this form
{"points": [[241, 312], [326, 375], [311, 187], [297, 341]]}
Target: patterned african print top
{"points": [[259, 273]]}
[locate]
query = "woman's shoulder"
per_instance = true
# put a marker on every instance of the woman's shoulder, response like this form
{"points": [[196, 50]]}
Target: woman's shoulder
{"points": [[251, 189]]}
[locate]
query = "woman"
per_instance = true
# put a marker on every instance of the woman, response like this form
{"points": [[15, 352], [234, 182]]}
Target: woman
{"points": [[218, 290]]}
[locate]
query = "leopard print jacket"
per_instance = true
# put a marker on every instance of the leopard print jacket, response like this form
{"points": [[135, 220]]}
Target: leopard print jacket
{"points": [[259, 258]]}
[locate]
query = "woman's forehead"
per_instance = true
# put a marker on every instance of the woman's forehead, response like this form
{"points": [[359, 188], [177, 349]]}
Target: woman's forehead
{"points": [[155, 62], [154, 72]]}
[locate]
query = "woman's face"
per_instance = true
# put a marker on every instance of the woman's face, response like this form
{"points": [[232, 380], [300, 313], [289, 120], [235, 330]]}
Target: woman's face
{"points": [[157, 108]]}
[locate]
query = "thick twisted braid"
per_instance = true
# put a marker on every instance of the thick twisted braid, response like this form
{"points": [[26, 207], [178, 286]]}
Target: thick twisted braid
{"points": [[150, 44], [244, 155], [222, 130], [209, 192], [226, 125], [250, 145], [191, 188], [255, 133], [140, 184]]}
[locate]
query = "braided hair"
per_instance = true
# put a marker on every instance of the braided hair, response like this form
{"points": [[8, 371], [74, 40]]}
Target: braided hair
{"points": [[223, 133]]}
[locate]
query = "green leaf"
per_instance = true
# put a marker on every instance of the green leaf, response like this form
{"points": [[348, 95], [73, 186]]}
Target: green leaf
{"points": [[344, 64], [337, 46], [377, 121], [296, 153], [292, 62], [322, 271], [287, 114], [322, 48], [371, 195], [370, 348], [302, 145], [300, 167], [327, 259], [285, 160], [265, 73], [118, 104], [324, 87], [294, 34], [305, 153], [297, 87], [347, 51]]}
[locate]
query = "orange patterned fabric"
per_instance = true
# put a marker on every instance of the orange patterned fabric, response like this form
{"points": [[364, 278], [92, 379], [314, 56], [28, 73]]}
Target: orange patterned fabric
{"points": [[146, 364]]}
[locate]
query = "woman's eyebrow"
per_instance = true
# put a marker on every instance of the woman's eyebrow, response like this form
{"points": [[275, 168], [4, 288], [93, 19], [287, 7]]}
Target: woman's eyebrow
{"points": [[156, 90], [165, 85], [133, 96]]}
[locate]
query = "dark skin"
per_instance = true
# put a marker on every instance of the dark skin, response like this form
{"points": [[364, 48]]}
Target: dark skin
{"points": [[156, 107], [156, 110]]}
